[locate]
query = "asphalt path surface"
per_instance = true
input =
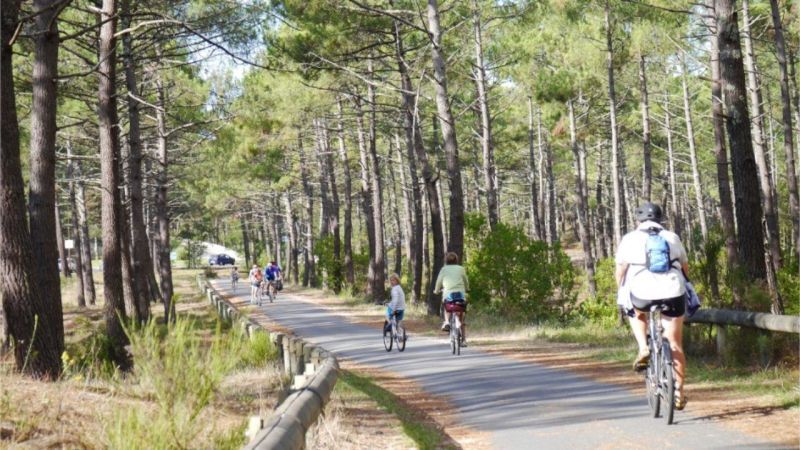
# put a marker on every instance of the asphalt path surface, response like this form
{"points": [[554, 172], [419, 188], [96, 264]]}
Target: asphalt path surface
{"points": [[519, 405]]}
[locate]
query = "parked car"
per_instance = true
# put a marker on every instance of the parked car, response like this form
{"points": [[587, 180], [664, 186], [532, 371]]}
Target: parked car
{"points": [[220, 260]]}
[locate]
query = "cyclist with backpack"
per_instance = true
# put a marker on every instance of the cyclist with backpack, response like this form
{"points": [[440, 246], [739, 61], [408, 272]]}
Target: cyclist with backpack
{"points": [[273, 275], [651, 267]]}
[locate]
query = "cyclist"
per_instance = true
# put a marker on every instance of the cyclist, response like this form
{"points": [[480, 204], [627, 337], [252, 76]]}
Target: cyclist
{"points": [[234, 277], [398, 303], [256, 278], [272, 273], [453, 284], [651, 265]]}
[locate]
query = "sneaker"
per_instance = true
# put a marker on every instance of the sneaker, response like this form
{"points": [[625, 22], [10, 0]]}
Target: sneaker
{"points": [[680, 400], [641, 361], [445, 326]]}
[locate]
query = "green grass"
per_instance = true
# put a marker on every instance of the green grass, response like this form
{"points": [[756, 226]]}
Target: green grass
{"points": [[421, 429]]}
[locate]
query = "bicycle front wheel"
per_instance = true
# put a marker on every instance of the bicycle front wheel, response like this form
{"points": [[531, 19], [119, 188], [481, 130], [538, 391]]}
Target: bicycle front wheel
{"points": [[387, 339], [667, 378]]}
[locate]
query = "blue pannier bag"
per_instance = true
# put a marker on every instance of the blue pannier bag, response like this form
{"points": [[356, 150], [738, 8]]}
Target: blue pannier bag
{"points": [[657, 251]]}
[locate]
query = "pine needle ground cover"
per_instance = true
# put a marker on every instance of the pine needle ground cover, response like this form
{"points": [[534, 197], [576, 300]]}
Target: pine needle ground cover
{"points": [[194, 384]]}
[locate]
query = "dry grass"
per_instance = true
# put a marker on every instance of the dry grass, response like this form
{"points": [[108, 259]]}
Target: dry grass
{"points": [[80, 412]]}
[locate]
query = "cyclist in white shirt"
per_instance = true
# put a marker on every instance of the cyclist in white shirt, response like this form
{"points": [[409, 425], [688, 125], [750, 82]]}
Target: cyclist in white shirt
{"points": [[647, 288], [398, 303]]}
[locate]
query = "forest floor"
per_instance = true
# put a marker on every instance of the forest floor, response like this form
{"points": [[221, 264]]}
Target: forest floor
{"points": [[764, 403], [85, 409]]}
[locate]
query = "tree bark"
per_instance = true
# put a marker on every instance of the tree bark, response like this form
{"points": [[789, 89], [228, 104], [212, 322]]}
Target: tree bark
{"points": [[378, 281], [583, 217], [245, 238], [647, 179], [349, 271], [617, 159], [721, 155], [22, 296], [455, 241], [487, 144], [291, 221], [309, 274], [76, 231], [550, 195], [696, 181], [745, 179], [110, 180], [142, 264], [536, 223], [162, 206], [788, 136], [677, 223], [86, 244], [62, 248], [768, 193]]}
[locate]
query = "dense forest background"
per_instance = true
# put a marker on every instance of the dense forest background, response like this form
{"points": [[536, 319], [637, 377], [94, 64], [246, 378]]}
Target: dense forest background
{"points": [[351, 139]]}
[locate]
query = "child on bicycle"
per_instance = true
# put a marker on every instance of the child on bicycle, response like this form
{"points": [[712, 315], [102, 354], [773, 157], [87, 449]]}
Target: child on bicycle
{"points": [[398, 303]]}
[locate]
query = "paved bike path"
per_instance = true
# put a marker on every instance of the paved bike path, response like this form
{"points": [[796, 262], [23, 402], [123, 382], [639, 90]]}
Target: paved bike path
{"points": [[521, 405]]}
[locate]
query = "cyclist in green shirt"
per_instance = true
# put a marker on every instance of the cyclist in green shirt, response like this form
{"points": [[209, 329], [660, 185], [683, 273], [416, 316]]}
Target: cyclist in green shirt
{"points": [[453, 284]]}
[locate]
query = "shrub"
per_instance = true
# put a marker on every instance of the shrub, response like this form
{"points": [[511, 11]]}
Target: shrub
{"points": [[90, 356], [602, 309], [515, 276], [328, 264]]}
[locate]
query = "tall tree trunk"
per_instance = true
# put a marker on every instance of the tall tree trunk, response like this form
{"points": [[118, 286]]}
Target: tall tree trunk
{"points": [[291, 255], [378, 281], [141, 261], [42, 197], [86, 245], [245, 239], [455, 241], [647, 179], [487, 144], [550, 196], [786, 116], [162, 205], [617, 158], [132, 297], [745, 179], [110, 180], [398, 236], [601, 209], [22, 296], [408, 214], [414, 146], [62, 248], [583, 217], [677, 223], [333, 209], [309, 275], [768, 193], [721, 156], [76, 231], [698, 190], [349, 271], [536, 223], [366, 191]]}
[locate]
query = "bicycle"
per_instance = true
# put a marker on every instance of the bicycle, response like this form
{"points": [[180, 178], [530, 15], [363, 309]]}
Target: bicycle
{"points": [[659, 375], [395, 332], [456, 336], [264, 293]]}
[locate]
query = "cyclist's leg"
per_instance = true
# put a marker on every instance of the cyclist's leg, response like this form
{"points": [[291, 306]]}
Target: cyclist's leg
{"points": [[639, 327], [461, 317], [673, 330]]}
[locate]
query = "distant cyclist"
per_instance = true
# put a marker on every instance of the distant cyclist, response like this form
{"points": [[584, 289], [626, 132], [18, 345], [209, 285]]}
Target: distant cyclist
{"points": [[398, 302], [651, 265], [256, 278], [234, 277], [272, 273], [453, 284]]}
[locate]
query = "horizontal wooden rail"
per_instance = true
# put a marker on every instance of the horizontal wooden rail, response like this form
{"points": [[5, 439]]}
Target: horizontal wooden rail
{"points": [[764, 321]]}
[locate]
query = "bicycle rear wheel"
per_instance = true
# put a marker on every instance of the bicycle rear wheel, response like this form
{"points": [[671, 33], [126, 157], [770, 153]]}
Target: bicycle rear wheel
{"points": [[651, 382], [667, 380], [453, 335], [401, 338], [387, 339]]}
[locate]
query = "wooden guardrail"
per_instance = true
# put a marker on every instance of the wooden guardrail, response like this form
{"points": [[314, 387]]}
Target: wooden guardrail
{"points": [[315, 373], [764, 321]]}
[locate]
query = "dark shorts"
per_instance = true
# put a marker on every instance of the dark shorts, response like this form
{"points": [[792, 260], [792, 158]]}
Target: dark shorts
{"points": [[676, 307]]}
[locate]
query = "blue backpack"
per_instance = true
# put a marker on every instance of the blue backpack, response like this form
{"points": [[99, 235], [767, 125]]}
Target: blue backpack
{"points": [[657, 252]]}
